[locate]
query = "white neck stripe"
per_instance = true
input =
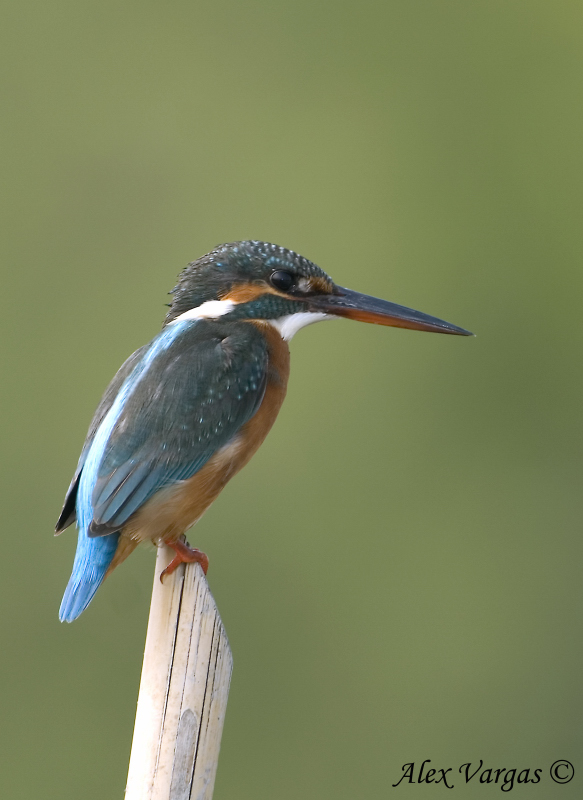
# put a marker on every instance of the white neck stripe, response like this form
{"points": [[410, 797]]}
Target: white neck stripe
{"points": [[212, 309], [286, 326]]}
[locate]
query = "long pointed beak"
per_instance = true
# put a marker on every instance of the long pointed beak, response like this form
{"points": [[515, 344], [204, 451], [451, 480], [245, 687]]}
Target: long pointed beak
{"points": [[364, 308]]}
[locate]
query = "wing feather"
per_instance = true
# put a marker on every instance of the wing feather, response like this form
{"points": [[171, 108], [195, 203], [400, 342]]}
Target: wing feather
{"points": [[68, 514], [192, 400]]}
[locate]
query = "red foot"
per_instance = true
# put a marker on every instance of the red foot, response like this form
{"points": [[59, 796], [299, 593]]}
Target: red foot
{"points": [[184, 555]]}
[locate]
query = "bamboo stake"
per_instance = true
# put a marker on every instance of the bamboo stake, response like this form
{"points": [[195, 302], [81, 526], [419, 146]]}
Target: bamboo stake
{"points": [[183, 690]]}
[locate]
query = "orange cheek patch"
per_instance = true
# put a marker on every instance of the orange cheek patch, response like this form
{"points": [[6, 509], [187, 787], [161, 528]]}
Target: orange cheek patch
{"points": [[246, 292]]}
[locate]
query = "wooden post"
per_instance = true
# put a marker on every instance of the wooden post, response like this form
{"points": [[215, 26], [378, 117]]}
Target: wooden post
{"points": [[183, 690]]}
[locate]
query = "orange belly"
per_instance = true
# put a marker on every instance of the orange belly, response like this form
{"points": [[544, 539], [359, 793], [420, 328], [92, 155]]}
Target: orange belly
{"points": [[167, 515]]}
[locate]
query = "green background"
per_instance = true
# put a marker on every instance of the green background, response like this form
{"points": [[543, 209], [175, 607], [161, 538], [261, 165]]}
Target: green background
{"points": [[399, 568]]}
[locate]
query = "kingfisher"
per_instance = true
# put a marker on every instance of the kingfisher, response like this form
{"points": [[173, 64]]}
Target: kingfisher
{"points": [[187, 411]]}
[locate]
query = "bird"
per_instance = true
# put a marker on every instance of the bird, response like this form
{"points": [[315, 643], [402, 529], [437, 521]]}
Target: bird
{"points": [[187, 411]]}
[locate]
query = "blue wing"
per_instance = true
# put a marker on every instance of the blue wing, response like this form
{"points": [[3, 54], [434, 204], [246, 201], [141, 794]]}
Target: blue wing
{"points": [[68, 514], [190, 402], [183, 397]]}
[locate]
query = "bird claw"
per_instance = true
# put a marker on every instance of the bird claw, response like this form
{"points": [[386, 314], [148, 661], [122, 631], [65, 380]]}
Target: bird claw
{"points": [[184, 555]]}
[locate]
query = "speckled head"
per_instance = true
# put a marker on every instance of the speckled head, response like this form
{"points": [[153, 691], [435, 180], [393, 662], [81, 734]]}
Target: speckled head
{"points": [[265, 282], [243, 271]]}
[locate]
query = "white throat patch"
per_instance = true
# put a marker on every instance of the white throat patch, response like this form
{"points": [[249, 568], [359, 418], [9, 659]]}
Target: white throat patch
{"points": [[286, 326], [289, 325]]}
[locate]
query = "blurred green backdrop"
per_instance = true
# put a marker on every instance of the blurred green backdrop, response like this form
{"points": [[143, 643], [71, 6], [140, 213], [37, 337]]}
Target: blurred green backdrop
{"points": [[399, 567]]}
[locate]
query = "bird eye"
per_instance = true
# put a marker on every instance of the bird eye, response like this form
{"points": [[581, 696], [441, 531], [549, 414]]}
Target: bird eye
{"points": [[282, 280]]}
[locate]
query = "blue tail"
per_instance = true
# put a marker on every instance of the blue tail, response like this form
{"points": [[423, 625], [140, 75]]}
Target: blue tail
{"points": [[95, 554], [93, 557]]}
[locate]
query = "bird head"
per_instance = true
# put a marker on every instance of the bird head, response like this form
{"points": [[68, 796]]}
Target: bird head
{"points": [[255, 280]]}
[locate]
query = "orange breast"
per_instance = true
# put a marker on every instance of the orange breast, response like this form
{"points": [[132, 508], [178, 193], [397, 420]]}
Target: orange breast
{"points": [[168, 514]]}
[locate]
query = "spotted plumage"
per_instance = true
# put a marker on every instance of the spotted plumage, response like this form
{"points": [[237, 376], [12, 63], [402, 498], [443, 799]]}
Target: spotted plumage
{"points": [[187, 411]]}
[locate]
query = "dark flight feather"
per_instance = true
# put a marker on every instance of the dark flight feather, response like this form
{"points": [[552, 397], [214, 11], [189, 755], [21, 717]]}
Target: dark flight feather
{"points": [[68, 514], [200, 391]]}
